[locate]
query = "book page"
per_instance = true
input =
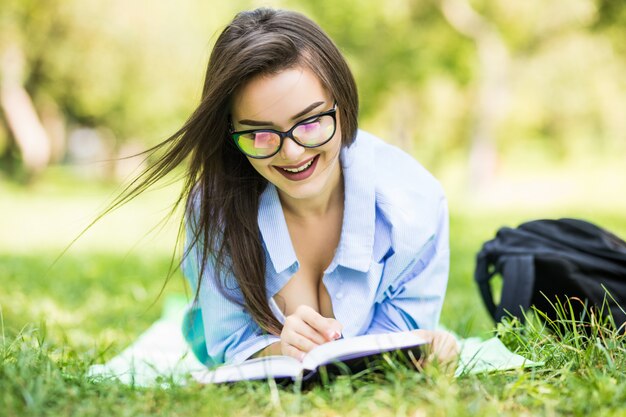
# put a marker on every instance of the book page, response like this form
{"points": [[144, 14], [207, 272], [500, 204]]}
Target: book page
{"points": [[259, 368], [358, 346]]}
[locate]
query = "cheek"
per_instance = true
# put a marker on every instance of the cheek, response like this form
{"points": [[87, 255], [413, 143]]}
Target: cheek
{"points": [[259, 165], [334, 149]]}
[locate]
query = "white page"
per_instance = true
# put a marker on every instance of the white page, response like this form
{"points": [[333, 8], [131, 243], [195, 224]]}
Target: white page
{"points": [[259, 368], [360, 346]]}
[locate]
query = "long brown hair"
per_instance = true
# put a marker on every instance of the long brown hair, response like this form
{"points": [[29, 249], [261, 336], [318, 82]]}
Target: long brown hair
{"points": [[221, 189]]}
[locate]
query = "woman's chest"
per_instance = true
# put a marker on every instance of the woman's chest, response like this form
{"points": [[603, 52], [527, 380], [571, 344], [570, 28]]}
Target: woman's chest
{"points": [[315, 246], [305, 287]]}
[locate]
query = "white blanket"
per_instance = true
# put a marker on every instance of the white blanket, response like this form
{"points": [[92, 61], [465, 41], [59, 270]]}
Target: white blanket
{"points": [[161, 356]]}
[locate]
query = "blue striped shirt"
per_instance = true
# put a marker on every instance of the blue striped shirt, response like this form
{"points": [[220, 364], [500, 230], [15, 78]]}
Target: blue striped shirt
{"points": [[390, 269]]}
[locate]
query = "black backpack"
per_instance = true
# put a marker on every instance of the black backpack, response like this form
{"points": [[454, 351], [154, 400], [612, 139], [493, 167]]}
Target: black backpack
{"points": [[543, 261]]}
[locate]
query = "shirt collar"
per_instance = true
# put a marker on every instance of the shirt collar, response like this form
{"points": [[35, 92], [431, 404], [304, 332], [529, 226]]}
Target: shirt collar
{"points": [[274, 231], [359, 217], [357, 232]]}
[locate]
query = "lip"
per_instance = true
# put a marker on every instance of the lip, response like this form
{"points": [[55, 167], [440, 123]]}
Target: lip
{"points": [[298, 176], [295, 166]]}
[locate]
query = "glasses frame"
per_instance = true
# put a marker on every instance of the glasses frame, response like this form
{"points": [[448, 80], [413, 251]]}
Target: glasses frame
{"points": [[286, 134]]}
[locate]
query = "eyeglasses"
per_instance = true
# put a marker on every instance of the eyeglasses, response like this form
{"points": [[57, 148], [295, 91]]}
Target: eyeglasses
{"points": [[311, 132]]}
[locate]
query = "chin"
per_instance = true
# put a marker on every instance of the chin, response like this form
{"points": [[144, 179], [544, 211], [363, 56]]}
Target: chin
{"points": [[301, 191]]}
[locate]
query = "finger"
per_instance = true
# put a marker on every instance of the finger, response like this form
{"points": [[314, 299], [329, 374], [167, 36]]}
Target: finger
{"points": [[444, 354], [452, 352], [311, 334], [448, 345], [336, 326], [298, 341], [447, 358], [328, 327], [442, 345], [445, 348], [297, 325], [427, 336], [292, 351]]}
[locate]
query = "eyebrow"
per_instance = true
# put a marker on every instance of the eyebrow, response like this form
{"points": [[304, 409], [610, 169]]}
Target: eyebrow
{"points": [[264, 123]]}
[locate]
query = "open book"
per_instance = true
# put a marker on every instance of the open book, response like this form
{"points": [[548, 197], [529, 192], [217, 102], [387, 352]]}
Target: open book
{"points": [[351, 352]]}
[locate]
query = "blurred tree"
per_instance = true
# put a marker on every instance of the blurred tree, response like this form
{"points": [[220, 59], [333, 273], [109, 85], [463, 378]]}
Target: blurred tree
{"points": [[611, 14], [492, 95], [133, 69], [22, 120], [398, 41], [20, 114], [430, 82], [610, 20], [411, 68]]}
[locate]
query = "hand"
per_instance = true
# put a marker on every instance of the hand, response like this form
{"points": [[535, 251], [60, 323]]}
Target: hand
{"points": [[443, 346], [305, 329]]}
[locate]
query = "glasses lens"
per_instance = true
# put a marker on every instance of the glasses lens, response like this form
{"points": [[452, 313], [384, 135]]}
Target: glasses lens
{"points": [[314, 132], [258, 144]]}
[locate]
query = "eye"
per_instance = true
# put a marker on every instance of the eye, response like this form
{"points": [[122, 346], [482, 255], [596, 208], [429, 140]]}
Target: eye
{"points": [[264, 140], [309, 124]]}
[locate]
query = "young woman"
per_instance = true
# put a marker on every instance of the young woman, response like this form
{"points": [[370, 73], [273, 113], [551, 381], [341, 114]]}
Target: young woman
{"points": [[300, 228]]}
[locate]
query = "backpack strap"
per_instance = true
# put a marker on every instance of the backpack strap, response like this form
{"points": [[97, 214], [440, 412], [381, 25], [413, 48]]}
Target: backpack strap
{"points": [[518, 273], [482, 276]]}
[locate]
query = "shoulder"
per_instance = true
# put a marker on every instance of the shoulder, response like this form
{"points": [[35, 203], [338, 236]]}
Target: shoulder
{"points": [[410, 198], [399, 178]]}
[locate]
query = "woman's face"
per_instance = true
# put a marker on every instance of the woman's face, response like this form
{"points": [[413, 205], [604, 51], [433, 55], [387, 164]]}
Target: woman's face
{"points": [[279, 101]]}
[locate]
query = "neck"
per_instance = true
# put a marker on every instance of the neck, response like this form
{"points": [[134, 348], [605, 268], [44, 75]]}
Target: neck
{"points": [[317, 206]]}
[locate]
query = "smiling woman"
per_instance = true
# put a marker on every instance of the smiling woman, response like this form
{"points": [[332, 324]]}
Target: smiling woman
{"points": [[304, 162], [300, 228]]}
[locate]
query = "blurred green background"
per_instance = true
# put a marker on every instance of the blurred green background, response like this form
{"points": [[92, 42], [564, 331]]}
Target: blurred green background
{"points": [[519, 108]]}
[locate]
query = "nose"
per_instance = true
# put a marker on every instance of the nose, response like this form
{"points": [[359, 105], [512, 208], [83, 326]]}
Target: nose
{"points": [[291, 151]]}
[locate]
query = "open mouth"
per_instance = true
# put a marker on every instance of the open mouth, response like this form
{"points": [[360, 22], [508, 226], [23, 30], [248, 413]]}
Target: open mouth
{"points": [[301, 172]]}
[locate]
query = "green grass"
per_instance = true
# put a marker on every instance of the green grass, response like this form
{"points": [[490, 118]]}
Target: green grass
{"points": [[57, 320]]}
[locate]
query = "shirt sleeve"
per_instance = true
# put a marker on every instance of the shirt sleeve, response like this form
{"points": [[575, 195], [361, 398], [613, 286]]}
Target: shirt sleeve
{"points": [[415, 299], [230, 333]]}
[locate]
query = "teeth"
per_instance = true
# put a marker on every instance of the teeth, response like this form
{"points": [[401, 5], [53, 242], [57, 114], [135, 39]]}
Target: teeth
{"points": [[300, 169]]}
